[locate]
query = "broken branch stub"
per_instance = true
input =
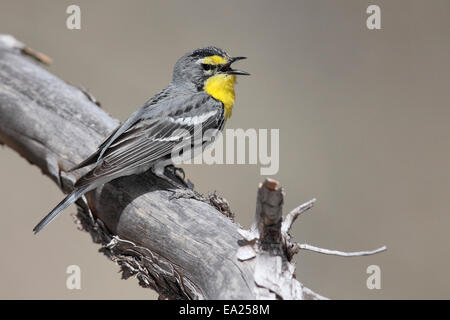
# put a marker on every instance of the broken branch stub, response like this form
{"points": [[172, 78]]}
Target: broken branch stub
{"points": [[269, 244], [269, 205], [265, 244]]}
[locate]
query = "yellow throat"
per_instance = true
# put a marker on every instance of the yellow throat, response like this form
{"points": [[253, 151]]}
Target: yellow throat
{"points": [[221, 87]]}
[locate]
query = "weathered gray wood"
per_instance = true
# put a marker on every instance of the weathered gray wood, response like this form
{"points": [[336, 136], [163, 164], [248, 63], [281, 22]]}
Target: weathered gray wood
{"points": [[182, 248], [269, 247]]}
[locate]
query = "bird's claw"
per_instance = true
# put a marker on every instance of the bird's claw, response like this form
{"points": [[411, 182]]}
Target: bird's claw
{"points": [[179, 173]]}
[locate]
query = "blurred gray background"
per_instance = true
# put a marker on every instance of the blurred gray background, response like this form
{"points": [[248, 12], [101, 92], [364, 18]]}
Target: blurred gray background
{"points": [[363, 118]]}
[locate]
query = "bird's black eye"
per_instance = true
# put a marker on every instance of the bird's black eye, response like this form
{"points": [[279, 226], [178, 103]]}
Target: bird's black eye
{"points": [[206, 66]]}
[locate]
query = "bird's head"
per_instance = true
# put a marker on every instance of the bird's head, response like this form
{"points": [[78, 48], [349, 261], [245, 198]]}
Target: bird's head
{"points": [[197, 66], [209, 69]]}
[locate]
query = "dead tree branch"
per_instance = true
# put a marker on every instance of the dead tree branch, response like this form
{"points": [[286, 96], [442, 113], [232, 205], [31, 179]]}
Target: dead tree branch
{"points": [[182, 248]]}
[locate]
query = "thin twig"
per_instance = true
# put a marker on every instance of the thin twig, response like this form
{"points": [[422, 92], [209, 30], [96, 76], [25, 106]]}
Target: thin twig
{"points": [[12, 42], [293, 215], [305, 246]]}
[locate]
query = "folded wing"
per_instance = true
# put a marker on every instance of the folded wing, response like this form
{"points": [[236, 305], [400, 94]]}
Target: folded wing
{"points": [[151, 139]]}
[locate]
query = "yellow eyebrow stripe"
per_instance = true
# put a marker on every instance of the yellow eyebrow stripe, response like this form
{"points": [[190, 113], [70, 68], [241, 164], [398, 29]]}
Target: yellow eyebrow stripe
{"points": [[214, 60]]}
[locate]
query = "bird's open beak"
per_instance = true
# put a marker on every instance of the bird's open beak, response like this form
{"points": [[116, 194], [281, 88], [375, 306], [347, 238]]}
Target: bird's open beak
{"points": [[226, 68]]}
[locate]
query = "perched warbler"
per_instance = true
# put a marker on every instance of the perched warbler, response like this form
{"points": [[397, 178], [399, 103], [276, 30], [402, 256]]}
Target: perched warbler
{"points": [[201, 93]]}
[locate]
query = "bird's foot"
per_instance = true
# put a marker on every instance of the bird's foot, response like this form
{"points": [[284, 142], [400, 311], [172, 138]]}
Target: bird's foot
{"points": [[176, 178], [180, 175]]}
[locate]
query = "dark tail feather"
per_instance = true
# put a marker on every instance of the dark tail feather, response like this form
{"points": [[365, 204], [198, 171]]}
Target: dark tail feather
{"points": [[71, 198]]}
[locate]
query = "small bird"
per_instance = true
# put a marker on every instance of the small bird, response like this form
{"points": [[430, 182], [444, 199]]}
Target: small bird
{"points": [[201, 93]]}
